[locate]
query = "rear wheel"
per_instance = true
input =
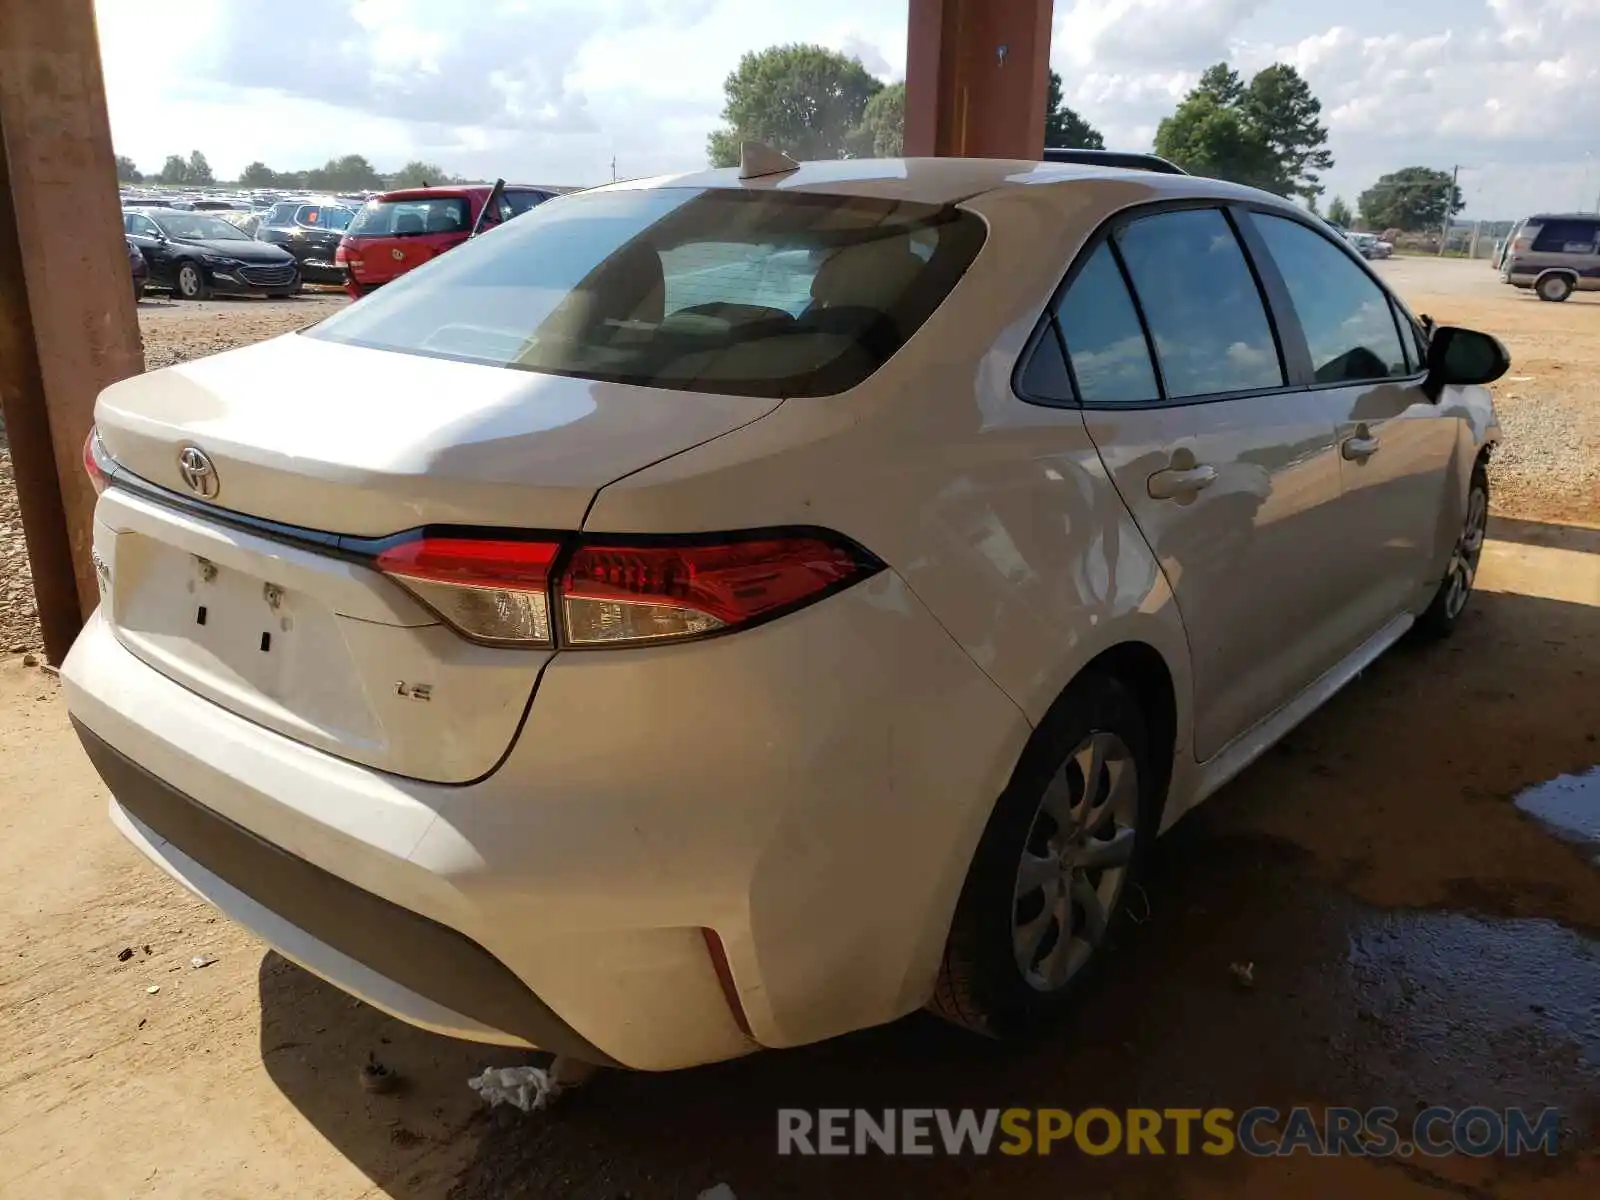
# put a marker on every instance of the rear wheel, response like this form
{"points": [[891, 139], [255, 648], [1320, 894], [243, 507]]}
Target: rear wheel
{"points": [[190, 283], [1049, 883], [1450, 601], [1554, 288]]}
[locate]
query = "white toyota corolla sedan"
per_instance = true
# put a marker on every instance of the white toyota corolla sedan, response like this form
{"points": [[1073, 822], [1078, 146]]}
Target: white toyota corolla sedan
{"points": [[711, 613]]}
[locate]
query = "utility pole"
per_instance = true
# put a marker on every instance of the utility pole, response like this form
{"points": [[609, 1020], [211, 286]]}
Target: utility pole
{"points": [[613, 166], [1449, 205]]}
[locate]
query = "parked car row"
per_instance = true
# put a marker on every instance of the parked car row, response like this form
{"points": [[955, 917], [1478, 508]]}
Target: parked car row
{"points": [[194, 251]]}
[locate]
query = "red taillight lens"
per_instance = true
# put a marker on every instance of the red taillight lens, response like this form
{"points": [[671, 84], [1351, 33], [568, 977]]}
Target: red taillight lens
{"points": [[94, 459], [612, 595], [492, 591]]}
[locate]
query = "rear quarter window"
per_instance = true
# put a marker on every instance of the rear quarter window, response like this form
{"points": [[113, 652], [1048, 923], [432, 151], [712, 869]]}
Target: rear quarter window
{"points": [[1567, 237]]}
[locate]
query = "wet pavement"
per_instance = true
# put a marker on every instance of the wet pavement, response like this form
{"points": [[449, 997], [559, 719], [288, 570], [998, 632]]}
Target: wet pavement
{"points": [[1410, 875]]}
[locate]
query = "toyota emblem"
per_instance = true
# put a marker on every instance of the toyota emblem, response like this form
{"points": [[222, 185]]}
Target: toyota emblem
{"points": [[197, 471]]}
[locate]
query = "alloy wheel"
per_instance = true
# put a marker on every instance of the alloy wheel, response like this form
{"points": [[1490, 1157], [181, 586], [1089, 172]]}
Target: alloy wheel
{"points": [[1075, 861], [1469, 549], [188, 281]]}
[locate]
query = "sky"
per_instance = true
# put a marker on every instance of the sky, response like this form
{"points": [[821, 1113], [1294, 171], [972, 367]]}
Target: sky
{"points": [[552, 91]]}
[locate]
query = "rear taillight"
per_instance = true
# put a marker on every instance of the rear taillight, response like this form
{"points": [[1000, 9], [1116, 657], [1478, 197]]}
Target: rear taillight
{"points": [[1521, 245], [503, 593], [96, 461], [490, 590], [617, 594]]}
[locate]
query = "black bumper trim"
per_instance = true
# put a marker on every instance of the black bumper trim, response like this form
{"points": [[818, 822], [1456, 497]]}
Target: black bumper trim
{"points": [[414, 951]]}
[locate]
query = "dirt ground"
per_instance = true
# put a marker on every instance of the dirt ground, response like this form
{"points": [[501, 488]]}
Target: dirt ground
{"points": [[1418, 938]]}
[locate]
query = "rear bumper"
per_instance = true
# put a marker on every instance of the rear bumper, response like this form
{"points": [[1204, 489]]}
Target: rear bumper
{"points": [[810, 791], [416, 967]]}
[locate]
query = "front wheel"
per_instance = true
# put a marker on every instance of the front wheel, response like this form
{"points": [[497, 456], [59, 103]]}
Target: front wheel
{"points": [[1049, 882], [190, 283], [1450, 601]]}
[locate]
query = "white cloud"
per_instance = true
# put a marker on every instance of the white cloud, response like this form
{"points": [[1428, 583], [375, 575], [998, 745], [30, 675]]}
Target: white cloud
{"points": [[550, 89]]}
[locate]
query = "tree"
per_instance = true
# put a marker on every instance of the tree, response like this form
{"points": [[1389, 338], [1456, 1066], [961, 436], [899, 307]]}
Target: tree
{"points": [[258, 175], [199, 171], [128, 171], [807, 101], [1339, 212], [1279, 104], [1222, 83], [174, 170], [1063, 128], [1265, 134], [418, 174], [882, 132], [1411, 199], [1207, 138]]}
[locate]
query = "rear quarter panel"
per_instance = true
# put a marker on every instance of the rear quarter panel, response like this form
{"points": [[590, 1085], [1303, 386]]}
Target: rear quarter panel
{"points": [[997, 513]]}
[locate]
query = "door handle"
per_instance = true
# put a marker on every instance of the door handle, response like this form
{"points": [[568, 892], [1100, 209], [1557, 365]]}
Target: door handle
{"points": [[1181, 483], [1360, 446]]}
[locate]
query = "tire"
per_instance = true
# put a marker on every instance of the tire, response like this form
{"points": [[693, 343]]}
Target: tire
{"points": [[138, 292], [189, 283], [1002, 919], [1450, 601], [1554, 288]]}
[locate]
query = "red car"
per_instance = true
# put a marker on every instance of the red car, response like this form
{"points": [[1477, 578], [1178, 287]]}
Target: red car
{"points": [[399, 230]]}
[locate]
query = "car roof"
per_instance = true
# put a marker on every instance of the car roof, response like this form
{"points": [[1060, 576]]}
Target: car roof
{"points": [[936, 180], [454, 189], [1566, 216]]}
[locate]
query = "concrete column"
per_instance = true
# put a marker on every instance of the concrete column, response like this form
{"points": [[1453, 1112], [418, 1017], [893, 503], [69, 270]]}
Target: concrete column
{"points": [[67, 321], [976, 75]]}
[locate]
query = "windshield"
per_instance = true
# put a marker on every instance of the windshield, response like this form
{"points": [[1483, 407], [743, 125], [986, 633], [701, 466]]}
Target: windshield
{"points": [[199, 227], [324, 216], [749, 293], [409, 218]]}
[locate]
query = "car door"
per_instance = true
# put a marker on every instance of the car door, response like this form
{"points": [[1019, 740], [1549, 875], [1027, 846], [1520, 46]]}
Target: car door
{"points": [[1230, 473], [1395, 444], [147, 236]]}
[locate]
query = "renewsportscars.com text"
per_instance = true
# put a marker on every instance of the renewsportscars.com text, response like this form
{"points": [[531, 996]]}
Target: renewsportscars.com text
{"points": [[1260, 1131]]}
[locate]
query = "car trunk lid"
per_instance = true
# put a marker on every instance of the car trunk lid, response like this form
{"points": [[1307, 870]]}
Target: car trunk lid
{"points": [[258, 589]]}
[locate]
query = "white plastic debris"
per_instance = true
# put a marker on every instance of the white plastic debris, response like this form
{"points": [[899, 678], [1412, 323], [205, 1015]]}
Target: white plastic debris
{"points": [[721, 1192], [201, 960], [152, 989], [529, 1088]]}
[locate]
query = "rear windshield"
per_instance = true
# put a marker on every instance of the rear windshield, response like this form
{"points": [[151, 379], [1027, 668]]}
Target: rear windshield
{"points": [[409, 218], [320, 216], [744, 292]]}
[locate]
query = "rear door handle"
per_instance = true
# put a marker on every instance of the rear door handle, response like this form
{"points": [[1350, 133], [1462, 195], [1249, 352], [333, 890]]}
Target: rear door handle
{"points": [[1359, 448], [1181, 483]]}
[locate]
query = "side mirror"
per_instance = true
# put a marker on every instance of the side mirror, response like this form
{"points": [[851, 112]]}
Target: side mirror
{"points": [[1460, 357]]}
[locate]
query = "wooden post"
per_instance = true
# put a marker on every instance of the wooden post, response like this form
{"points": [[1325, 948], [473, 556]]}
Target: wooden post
{"points": [[68, 326], [976, 77]]}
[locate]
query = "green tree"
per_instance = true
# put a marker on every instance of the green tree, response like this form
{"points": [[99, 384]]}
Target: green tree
{"points": [[128, 171], [258, 175], [1265, 134], [1280, 106], [1411, 199], [199, 170], [174, 170], [1063, 128], [882, 132], [1339, 212], [1207, 138], [807, 101], [1222, 83], [418, 174]]}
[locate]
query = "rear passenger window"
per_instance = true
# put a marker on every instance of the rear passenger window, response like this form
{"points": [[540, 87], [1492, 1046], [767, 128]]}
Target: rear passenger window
{"points": [[1348, 323], [1201, 301], [1105, 343], [1567, 237]]}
